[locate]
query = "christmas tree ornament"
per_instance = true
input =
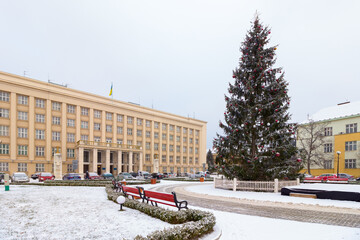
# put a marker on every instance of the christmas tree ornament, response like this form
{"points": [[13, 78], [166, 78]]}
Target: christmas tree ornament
{"points": [[277, 154]]}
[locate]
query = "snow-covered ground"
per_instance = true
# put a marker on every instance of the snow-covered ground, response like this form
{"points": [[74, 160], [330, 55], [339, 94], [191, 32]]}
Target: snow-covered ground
{"points": [[209, 189], [42, 212]]}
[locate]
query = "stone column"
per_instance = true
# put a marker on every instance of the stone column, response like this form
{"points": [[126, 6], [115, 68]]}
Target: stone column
{"points": [[81, 162], [130, 161], [31, 128], [141, 161], [95, 159], [119, 162], [107, 161]]}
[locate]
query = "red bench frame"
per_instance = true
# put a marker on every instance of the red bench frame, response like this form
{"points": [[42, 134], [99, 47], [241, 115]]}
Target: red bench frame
{"points": [[133, 192], [163, 198]]}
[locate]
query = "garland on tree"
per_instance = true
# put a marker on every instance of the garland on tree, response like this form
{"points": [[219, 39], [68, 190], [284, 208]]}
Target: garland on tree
{"points": [[258, 143]]}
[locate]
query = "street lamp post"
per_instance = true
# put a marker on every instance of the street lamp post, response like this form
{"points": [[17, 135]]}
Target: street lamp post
{"points": [[338, 153]]}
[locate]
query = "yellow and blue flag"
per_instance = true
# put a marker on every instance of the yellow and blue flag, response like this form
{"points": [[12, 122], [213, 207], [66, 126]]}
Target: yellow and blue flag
{"points": [[110, 94]]}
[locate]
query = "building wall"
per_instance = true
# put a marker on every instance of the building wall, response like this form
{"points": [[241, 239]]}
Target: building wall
{"points": [[191, 133]]}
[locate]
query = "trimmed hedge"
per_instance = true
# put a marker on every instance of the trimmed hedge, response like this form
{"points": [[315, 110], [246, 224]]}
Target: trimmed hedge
{"points": [[188, 179], [84, 183], [195, 222]]}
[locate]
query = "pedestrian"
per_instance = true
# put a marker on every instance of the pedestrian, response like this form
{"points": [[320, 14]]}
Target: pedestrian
{"points": [[87, 175]]}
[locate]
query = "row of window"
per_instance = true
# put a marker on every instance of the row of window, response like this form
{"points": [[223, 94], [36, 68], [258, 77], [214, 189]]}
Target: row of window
{"points": [[349, 128], [39, 150], [171, 159], [349, 146], [349, 163]]}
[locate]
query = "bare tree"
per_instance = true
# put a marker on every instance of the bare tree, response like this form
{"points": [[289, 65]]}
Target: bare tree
{"points": [[310, 142]]}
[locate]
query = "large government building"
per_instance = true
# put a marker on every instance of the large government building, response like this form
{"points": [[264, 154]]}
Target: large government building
{"points": [[92, 133]]}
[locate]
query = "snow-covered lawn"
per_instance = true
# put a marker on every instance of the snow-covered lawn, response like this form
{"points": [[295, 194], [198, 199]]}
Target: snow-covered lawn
{"points": [[209, 189], [41, 212]]}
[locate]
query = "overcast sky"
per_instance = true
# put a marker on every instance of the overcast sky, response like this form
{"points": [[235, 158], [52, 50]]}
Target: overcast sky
{"points": [[178, 56]]}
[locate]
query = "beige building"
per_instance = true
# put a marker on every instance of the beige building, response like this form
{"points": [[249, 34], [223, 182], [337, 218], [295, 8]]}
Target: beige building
{"points": [[37, 119]]}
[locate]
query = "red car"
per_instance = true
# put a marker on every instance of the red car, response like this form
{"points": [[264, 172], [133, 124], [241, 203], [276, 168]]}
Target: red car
{"points": [[93, 176], [46, 176], [324, 177]]}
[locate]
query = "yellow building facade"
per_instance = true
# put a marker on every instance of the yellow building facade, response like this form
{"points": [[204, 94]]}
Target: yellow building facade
{"points": [[341, 139], [99, 134]]}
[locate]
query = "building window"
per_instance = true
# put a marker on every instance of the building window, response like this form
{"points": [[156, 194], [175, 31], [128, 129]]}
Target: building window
{"points": [[4, 113], [327, 147], [4, 130], [109, 116], [129, 132], [178, 129], [164, 169], [196, 150], [164, 147], [70, 168], [97, 139], [171, 148], [55, 150], [56, 120], [196, 141], [97, 126], [97, 114], [148, 123], [40, 167], [130, 120], [190, 140], [328, 131], [40, 118], [184, 139], [84, 124], [148, 168], [22, 150], [84, 111], [156, 125], [351, 128], [147, 157], [350, 163], [156, 135], [147, 146], [22, 167], [119, 130], [178, 138], [108, 140], [177, 148], [171, 128], [120, 118], [164, 136], [4, 166], [40, 151], [108, 128], [171, 159], [70, 137], [22, 116], [350, 146], [139, 143], [129, 142], [177, 159], [328, 164], [4, 148], [190, 131], [23, 100], [184, 130], [40, 103], [56, 106], [196, 160], [184, 160], [156, 146], [197, 133], [184, 149], [70, 108], [84, 137], [163, 158], [171, 137], [139, 121], [164, 126], [190, 149], [70, 153], [139, 133], [22, 132], [190, 160], [119, 141], [39, 134], [70, 122], [4, 96], [147, 134], [55, 136]]}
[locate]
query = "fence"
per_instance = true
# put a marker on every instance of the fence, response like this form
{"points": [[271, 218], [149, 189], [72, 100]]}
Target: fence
{"points": [[256, 186]]}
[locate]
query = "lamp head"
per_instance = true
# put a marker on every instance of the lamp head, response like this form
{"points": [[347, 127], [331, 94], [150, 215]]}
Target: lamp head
{"points": [[121, 200], [338, 152]]}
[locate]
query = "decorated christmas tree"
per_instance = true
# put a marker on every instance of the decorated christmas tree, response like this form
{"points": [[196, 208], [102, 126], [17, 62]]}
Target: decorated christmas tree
{"points": [[258, 142]]}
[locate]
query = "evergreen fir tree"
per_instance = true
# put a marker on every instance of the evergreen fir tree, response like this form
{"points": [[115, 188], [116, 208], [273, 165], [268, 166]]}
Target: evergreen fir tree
{"points": [[258, 143]]}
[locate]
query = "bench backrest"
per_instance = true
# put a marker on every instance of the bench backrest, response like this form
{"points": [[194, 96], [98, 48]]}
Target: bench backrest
{"points": [[130, 190], [158, 195]]}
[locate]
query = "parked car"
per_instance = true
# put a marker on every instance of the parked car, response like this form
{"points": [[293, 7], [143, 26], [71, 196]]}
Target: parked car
{"points": [[326, 176], [93, 176], [348, 176], [20, 177], [157, 175], [35, 176], [107, 176], [125, 175], [43, 176], [134, 174], [71, 176], [143, 175]]}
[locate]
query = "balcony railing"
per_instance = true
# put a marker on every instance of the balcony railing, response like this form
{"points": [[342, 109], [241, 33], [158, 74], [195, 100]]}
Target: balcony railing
{"points": [[105, 144]]}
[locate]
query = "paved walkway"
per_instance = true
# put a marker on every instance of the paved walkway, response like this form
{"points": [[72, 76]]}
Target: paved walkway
{"points": [[289, 211]]}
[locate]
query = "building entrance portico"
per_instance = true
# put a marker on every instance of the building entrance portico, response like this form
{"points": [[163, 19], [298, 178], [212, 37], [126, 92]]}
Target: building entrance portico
{"points": [[108, 157]]}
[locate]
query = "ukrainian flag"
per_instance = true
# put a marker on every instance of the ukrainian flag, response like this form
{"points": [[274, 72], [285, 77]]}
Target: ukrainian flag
{"points": [[110, 94]]}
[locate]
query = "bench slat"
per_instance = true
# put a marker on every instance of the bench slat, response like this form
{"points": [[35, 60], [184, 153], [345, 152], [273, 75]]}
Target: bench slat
{"points": [[162, 196]]}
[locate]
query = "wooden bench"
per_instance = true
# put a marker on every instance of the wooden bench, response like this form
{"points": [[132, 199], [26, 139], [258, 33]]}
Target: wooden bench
{"points": [[163, 198], [135, 193], [116, 186]]}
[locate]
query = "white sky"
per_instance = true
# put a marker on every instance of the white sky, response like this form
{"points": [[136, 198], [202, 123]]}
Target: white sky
{"points": [[178, 56]]}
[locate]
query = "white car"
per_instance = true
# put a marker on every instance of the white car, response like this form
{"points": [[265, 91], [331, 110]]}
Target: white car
{"points": [[20, 177]]}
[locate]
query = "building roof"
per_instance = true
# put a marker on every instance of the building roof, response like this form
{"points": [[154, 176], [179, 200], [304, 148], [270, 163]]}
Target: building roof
{"points": [[342, 110]]}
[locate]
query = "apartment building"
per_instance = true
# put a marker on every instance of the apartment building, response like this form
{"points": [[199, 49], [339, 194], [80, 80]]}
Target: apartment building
{"points": [[98, 134], [340, 139]]}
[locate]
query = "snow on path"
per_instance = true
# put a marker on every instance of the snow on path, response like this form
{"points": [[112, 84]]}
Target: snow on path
{"points": [[42, 212]]}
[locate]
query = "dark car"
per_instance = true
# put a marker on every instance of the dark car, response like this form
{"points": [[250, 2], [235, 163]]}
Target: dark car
{"points": [[157, 175], [107, 176], [46, 176], [35, 175], [134, 174], [71, 176]]}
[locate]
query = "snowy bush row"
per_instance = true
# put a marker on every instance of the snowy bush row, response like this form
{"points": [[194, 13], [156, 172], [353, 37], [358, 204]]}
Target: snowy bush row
{"points": [[188, 179], [196, 222]]}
